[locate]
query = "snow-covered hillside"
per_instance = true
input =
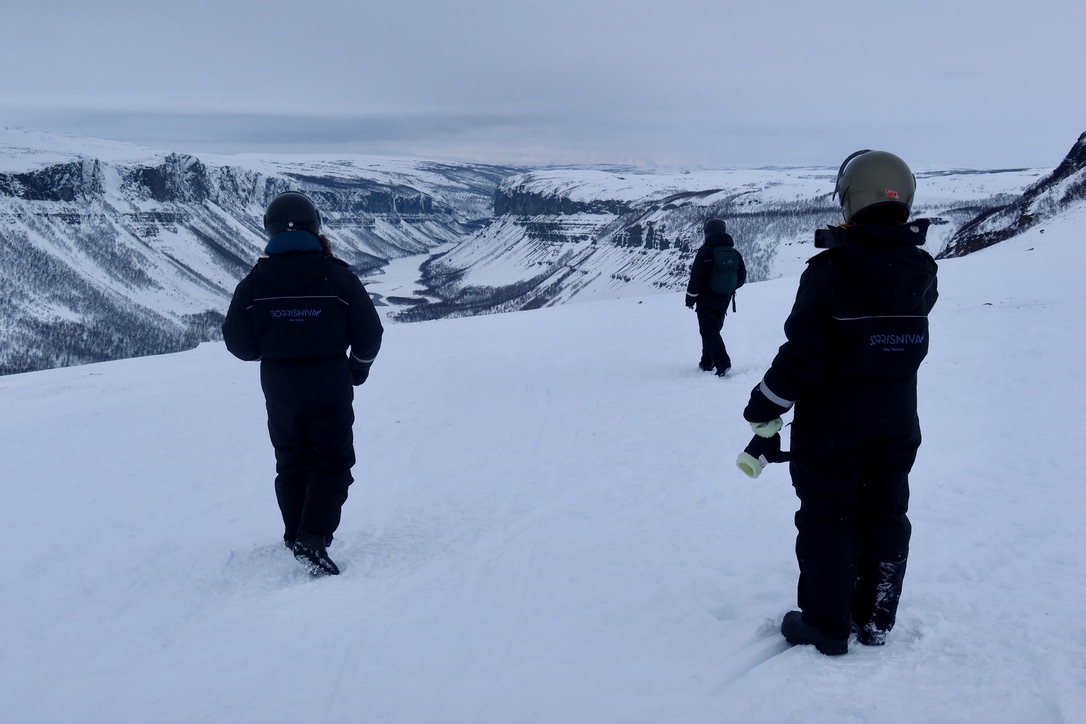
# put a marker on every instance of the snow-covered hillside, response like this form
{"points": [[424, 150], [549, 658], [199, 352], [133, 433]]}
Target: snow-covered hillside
{"points": [[547, 526], [1056, 191], [112, 250], [109, 250], [576, 234]]}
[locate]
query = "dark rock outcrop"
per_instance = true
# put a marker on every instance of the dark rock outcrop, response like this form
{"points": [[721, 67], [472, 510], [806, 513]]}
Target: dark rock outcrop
{"points": [[1052, 194]]}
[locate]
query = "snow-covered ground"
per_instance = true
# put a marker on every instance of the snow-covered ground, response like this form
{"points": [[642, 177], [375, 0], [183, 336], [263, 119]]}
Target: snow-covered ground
{"points": [[547, 526]]}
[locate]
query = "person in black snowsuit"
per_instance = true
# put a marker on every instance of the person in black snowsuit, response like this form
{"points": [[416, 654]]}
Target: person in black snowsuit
{"points": [[298, 311], [856, 336], [712, 307]]}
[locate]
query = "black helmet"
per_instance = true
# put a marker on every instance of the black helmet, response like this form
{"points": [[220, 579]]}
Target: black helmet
{"points": [[877, 181], [714, 227], [289, 211]]}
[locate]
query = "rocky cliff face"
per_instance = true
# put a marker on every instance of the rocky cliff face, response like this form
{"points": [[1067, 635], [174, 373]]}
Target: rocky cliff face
{"points": [[135, 252], [77, 180], [1066, 185], [520, 198]]}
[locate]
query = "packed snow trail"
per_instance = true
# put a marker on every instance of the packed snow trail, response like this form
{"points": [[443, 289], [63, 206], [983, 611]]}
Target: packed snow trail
{"points": [[547, 525]]}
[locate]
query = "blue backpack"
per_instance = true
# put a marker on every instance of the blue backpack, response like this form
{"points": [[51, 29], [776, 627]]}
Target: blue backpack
{"points": [[725, 276]]}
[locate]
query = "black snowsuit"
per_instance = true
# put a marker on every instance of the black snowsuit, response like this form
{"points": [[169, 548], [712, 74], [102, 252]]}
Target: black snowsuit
{"points": [[856, 336], [710, 306], [298, 312]]}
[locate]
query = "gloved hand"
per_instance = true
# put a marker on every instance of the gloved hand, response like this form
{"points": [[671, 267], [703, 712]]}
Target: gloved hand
{"points": [[763, 414], [760, 452], [690, 301], [360, 371], [769, 428]]}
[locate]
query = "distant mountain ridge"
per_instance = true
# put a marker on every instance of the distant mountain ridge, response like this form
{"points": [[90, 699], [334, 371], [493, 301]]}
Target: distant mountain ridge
{"points": [[112, 250]]}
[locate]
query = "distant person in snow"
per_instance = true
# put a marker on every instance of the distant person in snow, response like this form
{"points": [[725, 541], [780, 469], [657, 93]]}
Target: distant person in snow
{"points": [[298, 311], [718, 270], [856, 336]]}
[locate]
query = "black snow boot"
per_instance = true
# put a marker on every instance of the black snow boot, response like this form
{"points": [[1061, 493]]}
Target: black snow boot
{"points": [[311, 552], [798, 632], [869, 634]]}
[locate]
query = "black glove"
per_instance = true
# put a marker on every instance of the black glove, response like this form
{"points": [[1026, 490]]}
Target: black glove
{"points": [[760, 452], [359, 371], [690, 301]]}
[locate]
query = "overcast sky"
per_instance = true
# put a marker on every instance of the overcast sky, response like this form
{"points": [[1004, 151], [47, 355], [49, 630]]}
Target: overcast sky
{"points": [[711, 83]]}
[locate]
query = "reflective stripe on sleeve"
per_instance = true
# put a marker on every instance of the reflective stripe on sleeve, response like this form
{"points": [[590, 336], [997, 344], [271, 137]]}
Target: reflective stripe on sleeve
{"points": [[774, 398]]}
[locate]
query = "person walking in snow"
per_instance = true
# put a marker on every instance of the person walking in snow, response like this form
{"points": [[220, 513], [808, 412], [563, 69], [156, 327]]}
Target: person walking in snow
{"points": [[856, 336], [298, 311], [718, 270]]}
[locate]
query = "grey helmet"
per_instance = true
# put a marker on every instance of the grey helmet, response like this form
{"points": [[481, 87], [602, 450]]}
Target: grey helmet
{"points": [[870, 180]]}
